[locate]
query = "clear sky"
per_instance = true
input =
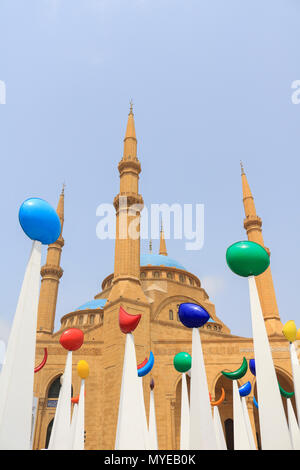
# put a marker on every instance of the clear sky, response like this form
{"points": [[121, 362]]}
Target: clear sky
{"points": [[211, 85]]}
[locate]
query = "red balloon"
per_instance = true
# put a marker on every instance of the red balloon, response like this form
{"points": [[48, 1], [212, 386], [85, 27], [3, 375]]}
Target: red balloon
{"points": [[127, 322], [72, 339]]}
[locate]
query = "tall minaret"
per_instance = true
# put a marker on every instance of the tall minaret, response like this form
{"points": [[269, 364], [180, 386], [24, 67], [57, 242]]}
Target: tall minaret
{"points": [[264, 282], [162, 246], [126, 289], [51, 273]]}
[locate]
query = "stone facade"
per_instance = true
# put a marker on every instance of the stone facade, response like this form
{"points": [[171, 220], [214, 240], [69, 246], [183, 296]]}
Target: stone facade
{"points": [[155, 291]]}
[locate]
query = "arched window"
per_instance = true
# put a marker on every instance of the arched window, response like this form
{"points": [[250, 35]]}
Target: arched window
{"points": [[169, 275], [170, 314], [80, 319], [92, 319], [181, 278], [143, 275], [191, 281], [156, 274], [54, 388], [71, 321]]}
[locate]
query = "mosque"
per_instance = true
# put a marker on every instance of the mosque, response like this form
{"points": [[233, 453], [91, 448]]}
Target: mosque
{"points": [[152, 285]]}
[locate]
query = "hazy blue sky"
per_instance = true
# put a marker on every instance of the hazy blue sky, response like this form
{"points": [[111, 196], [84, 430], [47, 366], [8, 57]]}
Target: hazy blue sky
{"points": [[211, 84]]}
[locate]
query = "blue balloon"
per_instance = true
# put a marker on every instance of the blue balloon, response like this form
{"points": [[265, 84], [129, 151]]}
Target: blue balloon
{"points": [[245, 389], [252, 366], [255, 402], [39, 221], [147, 367], [192, 315]]}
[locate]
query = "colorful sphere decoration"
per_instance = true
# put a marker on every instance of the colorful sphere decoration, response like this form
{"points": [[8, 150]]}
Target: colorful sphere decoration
{"points": [[290, 331], [252, 366], [127, 322], [247, 258], [182, 362], [238, 373], [192, 315], [39, 221], [147, 367], [72, 339], [83, 369], [245, 389]]}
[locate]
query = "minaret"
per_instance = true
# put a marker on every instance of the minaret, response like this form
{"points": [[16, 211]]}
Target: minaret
{"points": [[51, 273], [264, 282], [162, 246], [126, 289]]}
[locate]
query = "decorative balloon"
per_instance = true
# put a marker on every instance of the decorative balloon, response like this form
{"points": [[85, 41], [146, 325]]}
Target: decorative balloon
{"points": [[237, 374], [290, 331], [245, 389], [142, 364], [72, 339], [221, 399], [284, 393], [147, 367], [127, 322], [39, 221], [83, 369], [252, 366], [247, 258], [192, 315], [182, 362], [255, 402], [41, 365]]}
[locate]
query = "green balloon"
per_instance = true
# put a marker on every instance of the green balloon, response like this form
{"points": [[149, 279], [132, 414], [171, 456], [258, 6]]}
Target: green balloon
{"points": [[182, 362], [247, 258]]}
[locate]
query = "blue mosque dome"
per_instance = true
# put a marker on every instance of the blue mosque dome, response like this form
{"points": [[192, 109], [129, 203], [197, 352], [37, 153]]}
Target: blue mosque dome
{"points": [[92, 304], [160, 260]]}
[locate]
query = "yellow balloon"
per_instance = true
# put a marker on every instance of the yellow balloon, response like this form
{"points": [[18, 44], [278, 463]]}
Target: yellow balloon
{"points": [[83, 369], [298, 335], [290, 331]]}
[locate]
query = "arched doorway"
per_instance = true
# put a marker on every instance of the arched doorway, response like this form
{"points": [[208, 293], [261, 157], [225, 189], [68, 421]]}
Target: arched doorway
{"points": [[178, 409]]}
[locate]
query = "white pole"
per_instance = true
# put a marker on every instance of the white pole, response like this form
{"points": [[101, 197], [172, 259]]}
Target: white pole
{"points": [[60, 436], [78, 443], [143, 413], [202, 433], [185, 416], [248, 425], [73, 423], [130, 430], [153, 444], [273, 425], [296, 377], [293, 426], [17, 375], [241, 441], [221, 442]]}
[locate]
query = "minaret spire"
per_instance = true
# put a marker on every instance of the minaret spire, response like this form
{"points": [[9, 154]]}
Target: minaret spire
{"points": [[264, 282], [51, 273], [162, 246], [126, 289]]}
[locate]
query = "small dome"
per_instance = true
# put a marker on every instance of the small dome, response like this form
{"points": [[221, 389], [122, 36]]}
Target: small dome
{"points": [[160, 260], [92, 305]]}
